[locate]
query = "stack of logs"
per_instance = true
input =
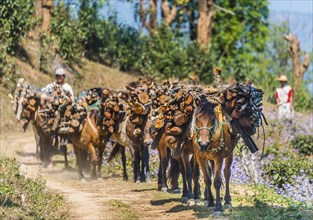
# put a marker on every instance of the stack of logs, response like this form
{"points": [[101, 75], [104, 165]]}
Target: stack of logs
{"points": [[175, 113], [110, 112], [138, 101], [244, 102]]}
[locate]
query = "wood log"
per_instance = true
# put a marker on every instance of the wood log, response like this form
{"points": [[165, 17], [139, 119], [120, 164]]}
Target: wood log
{"points": [[107, 123], [116, 108], [179, 118], [181, 106], [69, 108], [68, 113], [143, 97], [159, 123], [175, 131], [107, 114], [189, 109], [163, 98], [137, 108], [111, 129], [32, 102], [135, 120], [189, 100], [74, 123]]}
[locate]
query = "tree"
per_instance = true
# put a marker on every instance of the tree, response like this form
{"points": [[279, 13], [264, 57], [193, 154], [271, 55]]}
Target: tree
{"points": [[299, 67], [205, 22], [46, 15]]}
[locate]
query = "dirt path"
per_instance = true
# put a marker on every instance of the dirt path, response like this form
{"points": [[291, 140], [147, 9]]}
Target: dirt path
{"points": [[108, 198]]}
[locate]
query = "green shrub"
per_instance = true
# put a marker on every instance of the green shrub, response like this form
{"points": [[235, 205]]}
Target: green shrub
{"points": [[25, 198], [15, 21], [280, 171], [304, 143], [67, 33]]}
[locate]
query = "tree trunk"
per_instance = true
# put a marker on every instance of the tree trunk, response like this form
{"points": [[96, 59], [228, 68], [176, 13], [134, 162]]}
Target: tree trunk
{"points": [[152, 24], [46, 10], [298, 67], [205, 22], [168, 13]]}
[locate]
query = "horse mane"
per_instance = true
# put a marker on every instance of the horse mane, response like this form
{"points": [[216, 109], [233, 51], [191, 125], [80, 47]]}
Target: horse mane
{"points": [[95, 113], [205, 106]]}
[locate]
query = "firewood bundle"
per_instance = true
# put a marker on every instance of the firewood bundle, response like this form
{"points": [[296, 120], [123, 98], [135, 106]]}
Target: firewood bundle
{"points": [[90, 98], [72, 118], [244, 102], [176, 113], [110, 111], [138, 106], [30, 101]]}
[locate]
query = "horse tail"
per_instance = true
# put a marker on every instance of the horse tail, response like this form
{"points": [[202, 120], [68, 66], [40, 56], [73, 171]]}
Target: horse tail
{"points": [[174, 173], [115, 151]]}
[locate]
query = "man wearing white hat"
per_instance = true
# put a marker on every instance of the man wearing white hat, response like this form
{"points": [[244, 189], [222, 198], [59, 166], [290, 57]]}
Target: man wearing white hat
{"points": [[66, 88], [284, 100]]}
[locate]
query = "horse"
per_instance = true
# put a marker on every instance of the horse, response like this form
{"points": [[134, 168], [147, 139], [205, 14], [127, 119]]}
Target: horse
{"points": [[213, 141], [27, 113]]}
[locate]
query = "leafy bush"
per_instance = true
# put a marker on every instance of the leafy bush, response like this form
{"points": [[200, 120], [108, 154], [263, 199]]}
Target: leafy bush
{"points": [[282, 171], [66, 31], [15, 21], [304, 143], [25, 198]]}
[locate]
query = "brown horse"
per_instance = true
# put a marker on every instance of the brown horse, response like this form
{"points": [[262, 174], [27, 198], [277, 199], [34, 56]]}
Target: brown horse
{"points": [[89, 139], [213, 141], [31, 112]]}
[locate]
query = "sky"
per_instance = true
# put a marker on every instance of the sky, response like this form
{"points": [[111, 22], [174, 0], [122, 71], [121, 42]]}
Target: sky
{"points": [[304, 6]]}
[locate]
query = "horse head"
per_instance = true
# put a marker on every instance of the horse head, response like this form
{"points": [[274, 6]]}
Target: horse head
{"points": [[205, 123]]}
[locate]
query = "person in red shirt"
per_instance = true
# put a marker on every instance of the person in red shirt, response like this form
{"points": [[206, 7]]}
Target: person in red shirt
{"points": [[284, 99]]}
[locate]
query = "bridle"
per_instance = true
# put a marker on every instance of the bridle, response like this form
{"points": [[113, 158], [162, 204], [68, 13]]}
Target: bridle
{"points": [[211, 129]]}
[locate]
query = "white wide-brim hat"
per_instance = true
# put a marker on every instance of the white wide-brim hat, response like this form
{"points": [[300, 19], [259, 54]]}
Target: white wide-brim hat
{"points": [[282, 78]]}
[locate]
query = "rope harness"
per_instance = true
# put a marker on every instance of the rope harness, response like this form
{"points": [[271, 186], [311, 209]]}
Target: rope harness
{"points": [[212, 130]]}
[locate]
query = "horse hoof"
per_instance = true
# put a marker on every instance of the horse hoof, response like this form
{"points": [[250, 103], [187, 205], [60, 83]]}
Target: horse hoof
{"points": [[218, 213], [176, 191], [164, 189], [137, 181], [184, 199], [227, 206], [83, 180], [206, 203], [191, 202]]}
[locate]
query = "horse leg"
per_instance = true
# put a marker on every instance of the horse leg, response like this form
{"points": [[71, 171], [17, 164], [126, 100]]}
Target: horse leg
{"points": [[63, 148], [185, 195], [136, 165], [147, 163], [227, 174], [160, 174], [218, 163], [207, 180], [188, 176], [174, 173], [100, 157], [196, 175], [163, 167], [79, 161], [93, 158], [143, 163], [123, 154]]}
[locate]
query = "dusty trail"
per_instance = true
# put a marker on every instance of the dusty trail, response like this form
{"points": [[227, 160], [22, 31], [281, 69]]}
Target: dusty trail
{"points": [[97, 199]]}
